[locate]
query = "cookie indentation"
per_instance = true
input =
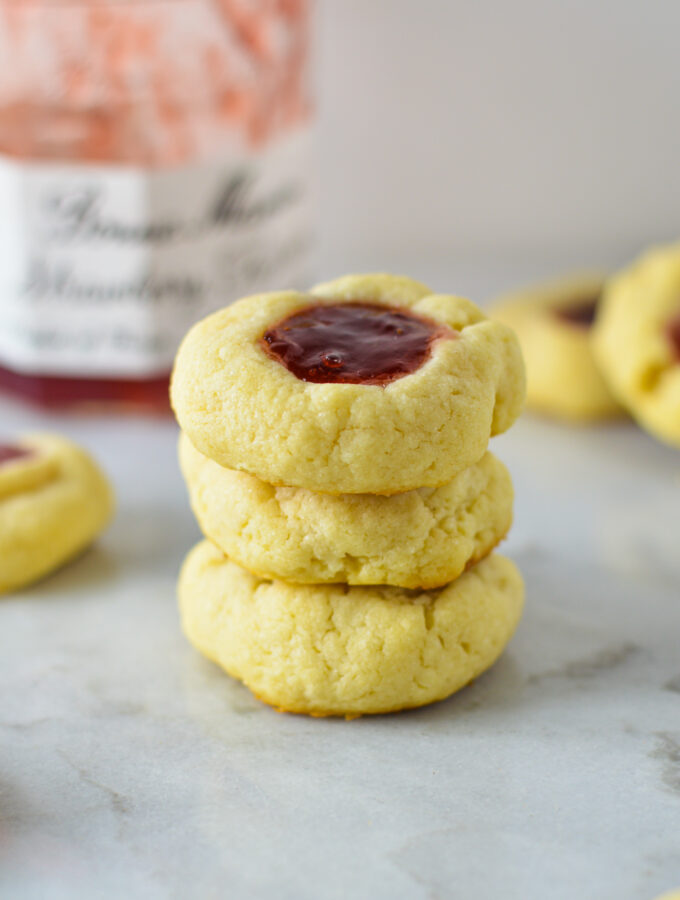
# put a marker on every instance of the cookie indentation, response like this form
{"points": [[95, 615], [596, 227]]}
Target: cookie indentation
{"points": [[673, 332], [10, 453], [580, 312]]}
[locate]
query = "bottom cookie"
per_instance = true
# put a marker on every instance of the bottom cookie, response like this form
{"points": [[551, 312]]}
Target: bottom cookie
{"points": [[334, 650]]}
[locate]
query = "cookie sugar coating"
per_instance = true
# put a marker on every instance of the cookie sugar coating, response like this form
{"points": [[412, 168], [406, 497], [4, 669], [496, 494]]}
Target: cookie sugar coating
{"points": [[346, 651], [54, 500], [634, 341], [422, 538], [553, 323], [246, 411]]}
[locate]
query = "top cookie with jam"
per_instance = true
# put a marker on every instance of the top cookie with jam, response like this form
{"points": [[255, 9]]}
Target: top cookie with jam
{"points": [[367, 384]]}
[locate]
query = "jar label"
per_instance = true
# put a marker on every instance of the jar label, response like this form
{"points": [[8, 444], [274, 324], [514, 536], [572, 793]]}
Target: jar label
{"points": [[104, 268]]}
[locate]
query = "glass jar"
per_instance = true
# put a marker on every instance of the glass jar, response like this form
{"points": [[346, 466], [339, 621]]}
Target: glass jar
{"points": [[154, 166]]}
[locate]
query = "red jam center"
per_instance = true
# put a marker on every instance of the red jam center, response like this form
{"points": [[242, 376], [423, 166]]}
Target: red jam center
{"points": [[673, 332], [580, 312], [9, 453], [353, 343]]}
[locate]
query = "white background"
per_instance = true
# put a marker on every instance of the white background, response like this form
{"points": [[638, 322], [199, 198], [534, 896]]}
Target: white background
{"points": [[453, 129]]}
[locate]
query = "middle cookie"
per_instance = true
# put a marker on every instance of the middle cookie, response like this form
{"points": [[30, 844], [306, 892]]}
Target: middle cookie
{"points": [[422, 538]]}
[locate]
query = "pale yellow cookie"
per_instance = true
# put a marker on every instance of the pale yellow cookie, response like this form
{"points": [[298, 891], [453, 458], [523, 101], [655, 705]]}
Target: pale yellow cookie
{"points": [[423, 538], [347, 651], [248, 411], [54, 501], [636, 340], [670, 895], [553, 323]]}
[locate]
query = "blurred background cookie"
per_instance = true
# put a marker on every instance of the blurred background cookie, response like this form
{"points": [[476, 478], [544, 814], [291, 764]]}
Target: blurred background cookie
{"points": [[553, 322], [54, 501], [637, 340]]}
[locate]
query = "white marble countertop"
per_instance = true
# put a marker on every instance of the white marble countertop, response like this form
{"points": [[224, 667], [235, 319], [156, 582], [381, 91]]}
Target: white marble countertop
{"points": [[130, 767]]}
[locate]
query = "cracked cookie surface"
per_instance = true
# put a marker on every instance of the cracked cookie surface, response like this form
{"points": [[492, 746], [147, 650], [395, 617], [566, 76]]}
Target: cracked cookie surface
{"points": [[636, 340], [247, 411], [347, 651], [54, 500], [421, 538], [552, 322]]}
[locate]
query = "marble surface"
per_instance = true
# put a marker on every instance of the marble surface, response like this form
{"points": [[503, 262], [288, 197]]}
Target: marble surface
{"points": [[130, 767]]}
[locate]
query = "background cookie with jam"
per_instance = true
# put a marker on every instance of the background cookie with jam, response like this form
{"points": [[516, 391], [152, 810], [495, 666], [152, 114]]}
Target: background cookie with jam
{"points": [[54, 501], [553, 323], [636, 340]]}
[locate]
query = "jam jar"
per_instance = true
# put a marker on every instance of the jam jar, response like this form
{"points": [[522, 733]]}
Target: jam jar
{"points": [[155, 165]]}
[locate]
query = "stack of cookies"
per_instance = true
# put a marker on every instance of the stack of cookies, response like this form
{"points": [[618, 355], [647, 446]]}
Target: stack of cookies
{"points": [[335, 449]]}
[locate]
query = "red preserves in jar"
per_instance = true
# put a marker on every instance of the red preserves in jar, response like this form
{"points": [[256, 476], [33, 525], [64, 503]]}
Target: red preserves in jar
{"points": [[154, 166]]}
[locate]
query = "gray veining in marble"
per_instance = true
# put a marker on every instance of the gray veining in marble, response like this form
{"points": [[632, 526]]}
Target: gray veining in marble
{"points": [[130, 767]]}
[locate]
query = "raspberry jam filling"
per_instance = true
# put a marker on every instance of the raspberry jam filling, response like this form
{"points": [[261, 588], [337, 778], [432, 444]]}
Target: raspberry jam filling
{"points": [[580, 312], [9, 453], [673, 332], [353, 343]]}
